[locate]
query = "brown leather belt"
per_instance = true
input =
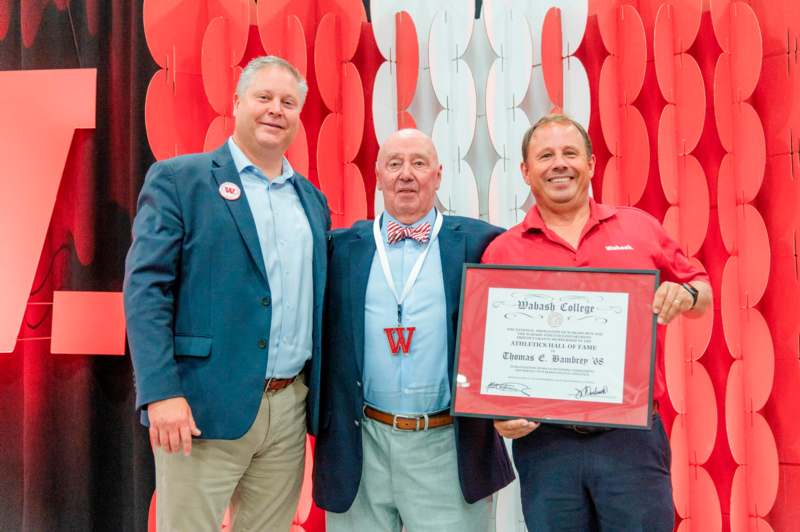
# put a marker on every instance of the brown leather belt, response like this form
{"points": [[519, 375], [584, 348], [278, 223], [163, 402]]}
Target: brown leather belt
{"points": [[415, 423], [273, 385]]}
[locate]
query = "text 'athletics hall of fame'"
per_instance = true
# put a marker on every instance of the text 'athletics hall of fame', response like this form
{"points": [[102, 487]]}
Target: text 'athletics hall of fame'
{"points": [[555, 344]]}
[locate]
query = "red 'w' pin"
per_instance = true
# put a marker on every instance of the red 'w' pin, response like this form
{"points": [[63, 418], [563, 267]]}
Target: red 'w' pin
{"points": [[230, 191]]}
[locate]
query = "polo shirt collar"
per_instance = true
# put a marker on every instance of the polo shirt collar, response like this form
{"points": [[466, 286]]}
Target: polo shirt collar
{"points": [[597, 213]]}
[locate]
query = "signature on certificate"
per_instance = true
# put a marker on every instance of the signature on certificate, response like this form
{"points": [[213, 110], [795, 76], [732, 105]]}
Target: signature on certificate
{"points": [[589, 391], [509, 387]]}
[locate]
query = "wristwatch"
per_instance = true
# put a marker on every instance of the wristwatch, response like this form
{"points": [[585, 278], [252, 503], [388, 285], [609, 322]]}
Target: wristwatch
{"points": [[693, 291]]}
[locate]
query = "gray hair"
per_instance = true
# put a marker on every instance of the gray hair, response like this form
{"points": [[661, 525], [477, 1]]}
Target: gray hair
{"points": [[265, 61], [555, 119]]}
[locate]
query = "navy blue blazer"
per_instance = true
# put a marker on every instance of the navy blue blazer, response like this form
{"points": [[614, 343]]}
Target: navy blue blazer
{"points": [[483, 462], [197, 296]]}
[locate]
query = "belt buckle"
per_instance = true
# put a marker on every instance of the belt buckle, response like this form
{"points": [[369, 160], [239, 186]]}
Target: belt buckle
{"points": [[424, 418]]}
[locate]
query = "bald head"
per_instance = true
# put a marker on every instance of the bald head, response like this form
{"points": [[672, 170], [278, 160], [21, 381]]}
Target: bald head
{"points": [[408, 172], [401, 137]]}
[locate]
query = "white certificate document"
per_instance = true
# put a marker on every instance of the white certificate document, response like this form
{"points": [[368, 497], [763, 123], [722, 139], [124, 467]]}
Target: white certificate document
{"points": [[555, 344]]}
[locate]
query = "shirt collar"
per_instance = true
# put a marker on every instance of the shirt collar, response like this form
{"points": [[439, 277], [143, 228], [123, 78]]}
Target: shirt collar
{"points": [[430, 218], [597, 213], [386, 218], [243, 163]]}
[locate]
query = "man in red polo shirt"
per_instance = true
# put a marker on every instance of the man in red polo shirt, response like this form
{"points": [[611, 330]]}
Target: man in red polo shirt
{"points": [[584, 478]]}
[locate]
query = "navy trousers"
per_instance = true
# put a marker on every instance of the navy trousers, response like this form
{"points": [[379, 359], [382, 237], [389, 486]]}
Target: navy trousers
{"points": [[606, 481]]}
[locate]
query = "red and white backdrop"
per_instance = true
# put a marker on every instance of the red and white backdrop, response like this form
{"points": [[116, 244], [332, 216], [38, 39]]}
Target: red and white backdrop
{"points": [[690, 104]]}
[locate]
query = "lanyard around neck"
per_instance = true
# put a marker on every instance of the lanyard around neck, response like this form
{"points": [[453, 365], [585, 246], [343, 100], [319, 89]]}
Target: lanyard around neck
{"points": [[412, 276]]}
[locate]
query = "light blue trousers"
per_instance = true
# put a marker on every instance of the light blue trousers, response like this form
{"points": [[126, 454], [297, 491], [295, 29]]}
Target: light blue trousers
{"points": [[410, 479]]}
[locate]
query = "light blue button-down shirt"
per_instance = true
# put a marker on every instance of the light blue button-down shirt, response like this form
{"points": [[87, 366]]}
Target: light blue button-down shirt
{"points": [[416, 383], [286, 245]]}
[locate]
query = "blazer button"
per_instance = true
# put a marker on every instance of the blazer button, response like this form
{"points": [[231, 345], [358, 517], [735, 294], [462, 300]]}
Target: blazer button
{"points": [[262, 344], [265, 301], [358, 383], [356, 423]]}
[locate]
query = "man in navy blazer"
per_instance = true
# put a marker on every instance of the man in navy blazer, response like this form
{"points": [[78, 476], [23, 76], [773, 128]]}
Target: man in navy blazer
{"points": [[388, 453], [223, 291]]}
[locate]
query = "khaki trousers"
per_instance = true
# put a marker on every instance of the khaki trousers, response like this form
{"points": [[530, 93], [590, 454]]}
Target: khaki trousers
{"points": [[260, 474]]}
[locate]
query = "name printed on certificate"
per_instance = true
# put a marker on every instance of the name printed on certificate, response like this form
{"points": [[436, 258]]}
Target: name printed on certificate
{"points": [[555, 344]]}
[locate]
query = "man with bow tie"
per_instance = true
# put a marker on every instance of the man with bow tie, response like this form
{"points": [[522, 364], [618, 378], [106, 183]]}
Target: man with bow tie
{"points": [[388, 453]]}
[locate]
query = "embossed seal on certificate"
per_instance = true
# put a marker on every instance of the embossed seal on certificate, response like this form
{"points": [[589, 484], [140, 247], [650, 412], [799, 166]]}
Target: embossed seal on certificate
{"points": [[555, 319]]}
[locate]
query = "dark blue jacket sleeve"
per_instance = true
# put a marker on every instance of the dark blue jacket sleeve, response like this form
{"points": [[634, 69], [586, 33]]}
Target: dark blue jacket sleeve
{"points": [[151, 271]]}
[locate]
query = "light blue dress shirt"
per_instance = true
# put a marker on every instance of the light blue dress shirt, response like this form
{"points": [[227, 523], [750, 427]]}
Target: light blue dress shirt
{"points": [[416, 383], [286, 245]]}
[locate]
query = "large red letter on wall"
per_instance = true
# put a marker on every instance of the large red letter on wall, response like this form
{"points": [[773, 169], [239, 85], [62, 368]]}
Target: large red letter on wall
{"points": [[40, 110]]}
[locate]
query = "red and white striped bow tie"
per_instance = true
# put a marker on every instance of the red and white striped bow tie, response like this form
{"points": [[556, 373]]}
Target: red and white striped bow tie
{"points": [[396, 232]]}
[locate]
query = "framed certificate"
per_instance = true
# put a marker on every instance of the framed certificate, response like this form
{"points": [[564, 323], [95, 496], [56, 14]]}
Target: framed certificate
{"points": [[561, 345]]}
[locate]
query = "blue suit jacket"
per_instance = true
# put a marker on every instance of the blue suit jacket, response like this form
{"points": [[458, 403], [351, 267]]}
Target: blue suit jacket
{"points": [[197, 297], [483, 462]]}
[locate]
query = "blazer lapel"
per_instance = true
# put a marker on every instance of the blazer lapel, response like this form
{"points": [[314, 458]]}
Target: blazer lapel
{"points": [[224, 171], [361, 252], [452, 248]]}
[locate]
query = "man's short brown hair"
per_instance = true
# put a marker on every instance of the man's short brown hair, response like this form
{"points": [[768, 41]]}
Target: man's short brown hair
{"points": [[555, 119]]}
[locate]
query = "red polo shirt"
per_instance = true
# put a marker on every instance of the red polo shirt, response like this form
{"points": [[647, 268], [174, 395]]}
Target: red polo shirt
{"points": [[614, 237]]}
